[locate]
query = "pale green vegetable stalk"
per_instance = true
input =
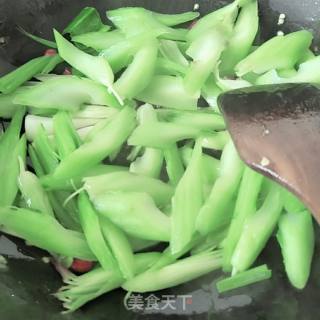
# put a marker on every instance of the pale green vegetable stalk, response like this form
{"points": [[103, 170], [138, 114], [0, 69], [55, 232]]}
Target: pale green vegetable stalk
{"points": [[174, 274], [147, 135], [225, 15], [139, 73], [186, 203], [246, 205], [96, 68], [291, 203], [11, 148], [244, 33], [244, 278], [150, 163], [169, 92], [216, 140], [280, 52], [104, 143], [90, 224], [205, 51], [215, 213], [32, 191], [43, 231], [296, 239], [174, 164], [256, 231], [135, 213], [170, 50], [82, 289], [120, 247], [129, 182]]}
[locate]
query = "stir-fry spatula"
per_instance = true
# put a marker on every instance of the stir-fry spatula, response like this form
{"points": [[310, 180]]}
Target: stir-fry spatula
{"points": [[276, 130]]}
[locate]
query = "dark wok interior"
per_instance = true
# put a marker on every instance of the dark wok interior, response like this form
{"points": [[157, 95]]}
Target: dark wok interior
{"points": [[26, 286]]}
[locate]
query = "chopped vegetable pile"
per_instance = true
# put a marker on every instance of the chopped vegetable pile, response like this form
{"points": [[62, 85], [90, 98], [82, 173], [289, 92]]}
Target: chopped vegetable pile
{"points": [[117, 155]]}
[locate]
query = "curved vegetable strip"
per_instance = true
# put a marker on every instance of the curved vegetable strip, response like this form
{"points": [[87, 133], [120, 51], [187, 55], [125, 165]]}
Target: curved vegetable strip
{"points": [[210, 165], [186, 203], [36, 165], [175, 19], [14, 79], [246, 205], [99, 40], [32, 191], [138, 74], [126, 181], [135, 213], [11, 148], [296, 238], [241, 41], [225, 15], [215, 213], [99, 147], [84, 288], [45, 152], [174, 165], [87, 20], [205, 52], [167, 67], [65, 93], [52, 64], [77, 182], [150, 163], [256, 231], [307, 72], [96, 68], [120, 247], [147, 135], [169, 92], [66, 137], [216, 140], [45, 42], [171, 51], [203, 119], [291, 203], [45, 232], [174, 274], [136, 20], [212, 241], [244, 278], [90, 224], [7, 107], [280, 52]]}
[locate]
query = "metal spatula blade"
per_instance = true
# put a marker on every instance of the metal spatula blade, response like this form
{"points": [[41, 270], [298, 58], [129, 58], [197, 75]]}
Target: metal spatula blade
{"points": [[276, 130]]}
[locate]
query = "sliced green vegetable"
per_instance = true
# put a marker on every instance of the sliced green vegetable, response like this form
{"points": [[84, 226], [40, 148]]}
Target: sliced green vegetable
{"points": [[88, 20], [280, 52], [246, 205], [96, 68], [65, 93], [174, 274], [186, 203], [45, 42], [174, 164], [129, 182], [139, 73], [32, 191], [43, 231], [90, 224], [120, 246], [135, 213], [170, 50], [99, 40], [296, 239], [240, 43], [11, 81], [169, 92], [291, 203], [205, 51], [175, 19], [52, 64], [99, 147], [244, 278], [257, 230], [215, 213]]}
